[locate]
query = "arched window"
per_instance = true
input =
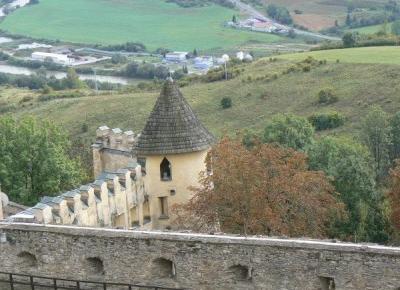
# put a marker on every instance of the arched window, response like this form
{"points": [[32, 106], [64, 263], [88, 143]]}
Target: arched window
{"points": [[165, 170], [27, 259], [163, 268], [95, 266]]}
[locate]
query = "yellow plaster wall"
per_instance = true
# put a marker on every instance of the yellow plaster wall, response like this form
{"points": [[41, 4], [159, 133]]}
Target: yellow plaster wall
{"points": [[185, 170]]}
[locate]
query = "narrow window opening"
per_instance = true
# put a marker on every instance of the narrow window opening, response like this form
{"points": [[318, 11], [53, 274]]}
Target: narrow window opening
{"points": [[165, 170], [164, 268], [327, 283], [163, 207], [27, 259], [95, 266]]}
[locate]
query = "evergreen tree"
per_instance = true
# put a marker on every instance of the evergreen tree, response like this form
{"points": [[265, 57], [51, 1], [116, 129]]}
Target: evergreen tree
{"points": [[348, 19]]}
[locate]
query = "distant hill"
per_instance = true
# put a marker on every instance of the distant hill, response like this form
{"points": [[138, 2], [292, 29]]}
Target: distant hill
{"points": [[371, 55], [256, 96]]}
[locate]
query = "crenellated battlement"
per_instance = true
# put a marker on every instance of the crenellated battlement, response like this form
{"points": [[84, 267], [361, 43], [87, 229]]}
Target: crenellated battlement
{"points": [[107, 202], [113, 149], [115, 139]]}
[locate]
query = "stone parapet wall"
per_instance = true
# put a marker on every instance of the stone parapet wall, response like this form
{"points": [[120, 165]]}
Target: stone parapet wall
{"points": [[114, 199], [195, 261]]}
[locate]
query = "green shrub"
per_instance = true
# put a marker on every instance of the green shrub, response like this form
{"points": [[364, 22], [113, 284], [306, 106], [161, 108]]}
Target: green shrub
{"points": [[326, 121], [85, 127], [327, 96], [226, 103], [26, 99]]}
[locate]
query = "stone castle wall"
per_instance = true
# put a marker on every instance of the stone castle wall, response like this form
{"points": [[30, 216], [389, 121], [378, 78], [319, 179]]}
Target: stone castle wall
{"points": [[112, 149], [195, 261]]}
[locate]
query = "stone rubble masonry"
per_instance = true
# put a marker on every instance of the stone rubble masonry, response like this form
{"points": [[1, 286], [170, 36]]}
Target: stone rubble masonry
{"points": [[199, 261], [113, 149]]}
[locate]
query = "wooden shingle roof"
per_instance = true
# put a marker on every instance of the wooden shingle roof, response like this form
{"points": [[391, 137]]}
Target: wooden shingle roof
{"points": [[172, 127]]}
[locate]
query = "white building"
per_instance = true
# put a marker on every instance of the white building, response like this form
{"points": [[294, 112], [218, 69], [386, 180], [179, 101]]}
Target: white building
{"points": [[176, 56], [203, 62], [244, 56], [240, 55], [33, 46], [55, 57]]}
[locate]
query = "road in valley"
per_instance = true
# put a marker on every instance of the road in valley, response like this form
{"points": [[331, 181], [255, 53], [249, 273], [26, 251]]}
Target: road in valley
{"points": [[248, 9]]}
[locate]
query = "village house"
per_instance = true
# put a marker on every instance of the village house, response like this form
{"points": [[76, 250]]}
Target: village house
{"points": [[176, 56]]}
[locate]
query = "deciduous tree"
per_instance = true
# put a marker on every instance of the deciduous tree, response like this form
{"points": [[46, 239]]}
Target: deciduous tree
{"points": [[394, 198], [263, 190], [290, 131], [34, 160], [375, 133], [350, 166]]}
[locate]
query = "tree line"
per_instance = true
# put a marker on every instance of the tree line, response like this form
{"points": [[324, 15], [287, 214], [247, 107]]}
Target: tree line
{"points": [[290, 182]]}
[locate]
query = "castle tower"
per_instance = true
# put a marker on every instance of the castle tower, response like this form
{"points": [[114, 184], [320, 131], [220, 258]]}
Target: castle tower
{"points": [[173, 145]]}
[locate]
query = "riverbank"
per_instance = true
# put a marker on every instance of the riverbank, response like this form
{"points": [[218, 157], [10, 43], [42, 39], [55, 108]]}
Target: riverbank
{"points": [[15, 70]]}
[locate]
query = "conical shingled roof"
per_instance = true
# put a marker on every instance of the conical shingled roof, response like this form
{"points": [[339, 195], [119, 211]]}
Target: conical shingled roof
{"points": [[173, 126]]}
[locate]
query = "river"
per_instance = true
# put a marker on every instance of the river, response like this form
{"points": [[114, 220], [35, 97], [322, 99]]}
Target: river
{"points": [[4, 68], [20, 3]]}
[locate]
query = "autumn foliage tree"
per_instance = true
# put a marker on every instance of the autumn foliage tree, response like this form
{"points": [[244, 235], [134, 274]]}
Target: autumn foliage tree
{"points": [[263, 190]]}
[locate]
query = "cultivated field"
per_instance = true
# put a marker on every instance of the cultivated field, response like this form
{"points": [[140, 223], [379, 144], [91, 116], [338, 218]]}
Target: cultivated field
{"points": [[316, 14], [377, 55], [255, 99], [152, 22], [321, 14]]}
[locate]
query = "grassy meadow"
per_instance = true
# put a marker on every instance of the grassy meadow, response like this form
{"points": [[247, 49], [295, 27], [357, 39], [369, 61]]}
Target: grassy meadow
{"points": [[371, 29], [152, 22], [371, 55], [255, 96]]}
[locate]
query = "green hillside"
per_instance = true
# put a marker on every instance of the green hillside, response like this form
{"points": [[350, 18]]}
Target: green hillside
{"points": [[372, 55], [371, 29], [256, 96], [154, 23]]}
